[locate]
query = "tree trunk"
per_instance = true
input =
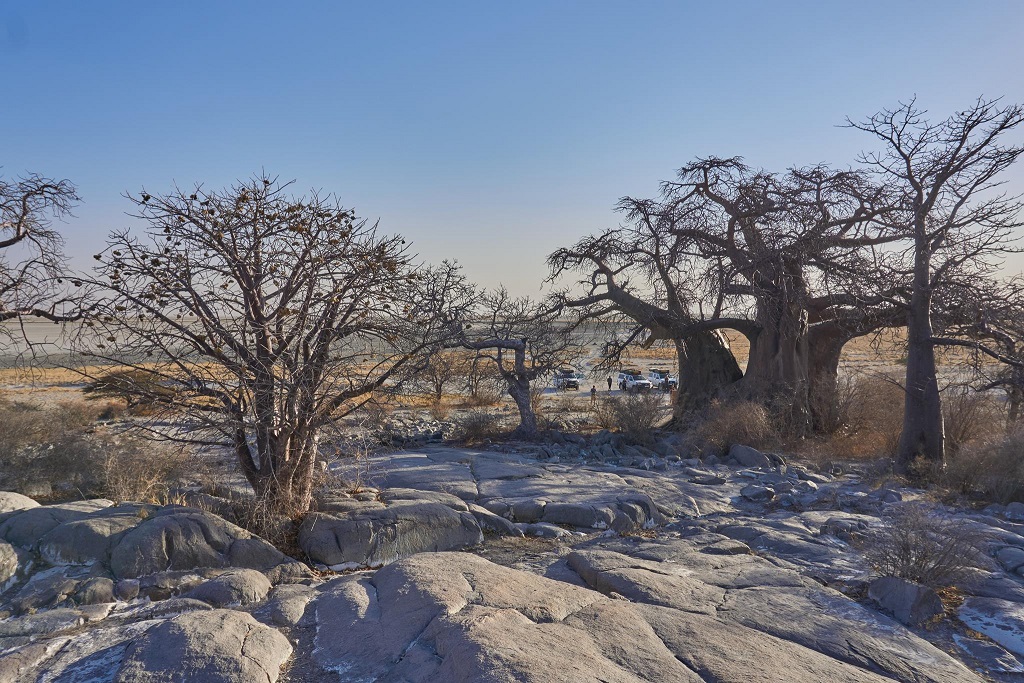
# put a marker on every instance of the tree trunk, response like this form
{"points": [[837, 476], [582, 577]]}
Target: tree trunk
{"points": [[778, 368], [825, 345], [283, 478], [706, 367], [519, 390], [923, 433]]}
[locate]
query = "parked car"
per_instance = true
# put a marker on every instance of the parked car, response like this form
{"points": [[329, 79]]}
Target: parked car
{"points": [[663, 379], [634, 380], [566, 380]]}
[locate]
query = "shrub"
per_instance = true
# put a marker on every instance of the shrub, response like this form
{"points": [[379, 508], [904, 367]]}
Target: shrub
{"points": [[922, 545], [478, 425], [874, 419], [991, 469], [439, 411], [742, 422], [125, 468], [968, 416], [55, 445], [635, 415]]}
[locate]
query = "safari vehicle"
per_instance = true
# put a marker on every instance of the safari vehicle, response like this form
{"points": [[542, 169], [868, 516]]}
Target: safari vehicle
{"points": [[566, 379], [663, 379], [633, 380]]}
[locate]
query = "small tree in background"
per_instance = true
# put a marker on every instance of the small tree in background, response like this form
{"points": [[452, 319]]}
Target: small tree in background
{"points": [[261, 318], [525, 342], [31, 252]]}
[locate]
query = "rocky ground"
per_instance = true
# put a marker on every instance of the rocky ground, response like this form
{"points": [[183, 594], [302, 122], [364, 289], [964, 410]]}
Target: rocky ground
{"points": [[579, 561]]}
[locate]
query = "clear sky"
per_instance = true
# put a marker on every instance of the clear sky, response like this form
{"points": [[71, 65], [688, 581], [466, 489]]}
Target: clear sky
{"points": [[489, 132]]}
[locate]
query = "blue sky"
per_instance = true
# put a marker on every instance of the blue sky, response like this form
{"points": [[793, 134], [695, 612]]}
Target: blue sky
{"points": [[488, 132]]}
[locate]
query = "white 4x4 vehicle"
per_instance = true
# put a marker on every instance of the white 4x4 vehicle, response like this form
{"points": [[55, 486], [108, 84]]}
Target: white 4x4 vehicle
{"points": [[633, 380], [663, 379], [566, 380]]}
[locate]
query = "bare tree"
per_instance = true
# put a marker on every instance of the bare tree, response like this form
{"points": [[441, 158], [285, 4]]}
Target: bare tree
{"points": [[32, 264], [261, 318], [524, 340], [778, 258], [957, 223]]}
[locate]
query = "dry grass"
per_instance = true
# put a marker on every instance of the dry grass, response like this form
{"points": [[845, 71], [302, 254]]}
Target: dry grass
{"points": [[58, 448]]}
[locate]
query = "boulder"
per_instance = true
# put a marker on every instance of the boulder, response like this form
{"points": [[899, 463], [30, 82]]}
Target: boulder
{"points": [[95, 591], [10, 501], [8, 564], [25, 527], [238, 587], [375, 537], [749, 457], [215, 646], [911, 603], [757, 493], [184, 538]]}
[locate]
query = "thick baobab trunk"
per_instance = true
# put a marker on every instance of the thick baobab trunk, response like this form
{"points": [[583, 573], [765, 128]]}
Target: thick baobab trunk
{"points": [[923, 433], [706, 367], [778, 368], [825, 346], [519, 390]]}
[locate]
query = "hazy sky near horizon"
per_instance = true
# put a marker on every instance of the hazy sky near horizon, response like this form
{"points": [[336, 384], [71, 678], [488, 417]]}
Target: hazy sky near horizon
{"points": [[491, 133]]}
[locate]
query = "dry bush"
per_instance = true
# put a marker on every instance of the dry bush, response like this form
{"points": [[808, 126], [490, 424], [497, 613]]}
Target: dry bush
{"points": [[603, 413], [128, 468], [741, 422], [479, 425], [969, 417], [636, 415], [924, 546], [40, 445], [439, 411], [56, 445], [834, 415], [874, 419], [991, 469]]}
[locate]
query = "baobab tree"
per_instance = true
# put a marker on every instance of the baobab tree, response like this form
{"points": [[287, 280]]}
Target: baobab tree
{"points": [[261, 318], [954, 219], [774, 257], [32, 263]]}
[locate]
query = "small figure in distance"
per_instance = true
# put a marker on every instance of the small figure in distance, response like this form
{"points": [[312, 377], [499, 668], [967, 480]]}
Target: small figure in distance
{"points": [[609, 383], [593, 395]]}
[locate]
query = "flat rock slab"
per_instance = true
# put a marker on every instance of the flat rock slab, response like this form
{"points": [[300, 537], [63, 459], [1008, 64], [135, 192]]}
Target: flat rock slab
{"points": [[375, 536], [1000, 620]]}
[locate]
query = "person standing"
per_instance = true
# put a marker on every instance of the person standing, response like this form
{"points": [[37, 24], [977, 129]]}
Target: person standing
{"points": [[609, 382], [593, 395]]}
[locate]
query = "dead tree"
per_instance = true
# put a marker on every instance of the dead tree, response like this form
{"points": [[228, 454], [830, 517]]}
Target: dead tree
{"points": [[32, 264], [261, 318], [954, 219]]}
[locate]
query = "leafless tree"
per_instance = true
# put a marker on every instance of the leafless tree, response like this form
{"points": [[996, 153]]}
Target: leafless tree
{"points": [[261, 318], [32, 263], [524, 340], [778, 258], [986, 317], [957, 222]]}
